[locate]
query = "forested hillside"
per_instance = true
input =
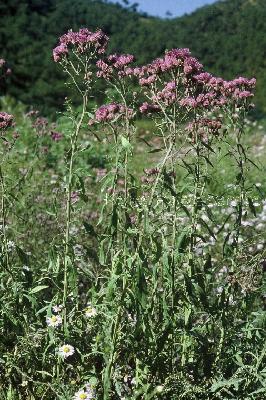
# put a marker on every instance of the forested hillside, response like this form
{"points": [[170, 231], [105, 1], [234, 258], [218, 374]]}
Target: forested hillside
{"points": [[229, 37]]}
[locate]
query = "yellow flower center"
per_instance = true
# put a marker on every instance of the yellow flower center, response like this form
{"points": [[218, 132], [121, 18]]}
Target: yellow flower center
{"points": [[66, 350], [54, 318], [83, 396]]}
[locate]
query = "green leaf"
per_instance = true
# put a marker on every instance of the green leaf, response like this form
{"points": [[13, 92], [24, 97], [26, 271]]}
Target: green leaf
{"points": [[38, 289], [89, 229], [125, 143]]}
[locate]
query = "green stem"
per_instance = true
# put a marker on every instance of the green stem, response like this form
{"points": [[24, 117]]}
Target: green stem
{"points": [[68, 205], [3, 212]]}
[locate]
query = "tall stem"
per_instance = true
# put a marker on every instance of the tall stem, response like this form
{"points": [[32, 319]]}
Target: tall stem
{"points": [[240, 162], [68, 205], [3, 212]]}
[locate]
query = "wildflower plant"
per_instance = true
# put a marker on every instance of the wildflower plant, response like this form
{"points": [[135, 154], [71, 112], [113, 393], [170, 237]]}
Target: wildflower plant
{"points": [[7, 142], [153, 288]]}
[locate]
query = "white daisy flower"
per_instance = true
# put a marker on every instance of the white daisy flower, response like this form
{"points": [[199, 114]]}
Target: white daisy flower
{"points": [[90, 389], [54, 321], [10, 245], [57, 308], [90, 311], [66, 351], [83, 395]]}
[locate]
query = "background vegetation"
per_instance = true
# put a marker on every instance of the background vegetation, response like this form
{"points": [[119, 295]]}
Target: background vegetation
{"points": [[228, 36]]}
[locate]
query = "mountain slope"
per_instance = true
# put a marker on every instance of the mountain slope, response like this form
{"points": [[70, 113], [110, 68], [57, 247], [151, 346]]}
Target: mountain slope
{"points": [[229, 37]]}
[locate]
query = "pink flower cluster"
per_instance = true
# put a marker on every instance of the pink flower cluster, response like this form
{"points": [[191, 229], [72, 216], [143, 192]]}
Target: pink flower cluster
{"points": [[212, 125], [147, 81], [111, 112], [168, 95], [174, 60], [147, 108], [56, 136], [6, 120], [239, 88], [82, 40], [189, 86], [177, 79], [192, 66], [204, 100], [59, 52], [115, 63]]}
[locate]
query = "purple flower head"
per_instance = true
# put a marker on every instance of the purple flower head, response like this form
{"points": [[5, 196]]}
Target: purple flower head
{"points": [[188, 102], [192, 65], [168, 94], [172, 60], [148, 81], [6, 120], [137, 71], [147, 108], [206, 99], [244, 82], [115, 63], [81, 40], [216, 83], [204, 77], [68, 38], [244, 94], [60, 52], [105, 71], [179, 53], [238, 89], [56, 136], [119, 61], [111, 112], [239, 83]]}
